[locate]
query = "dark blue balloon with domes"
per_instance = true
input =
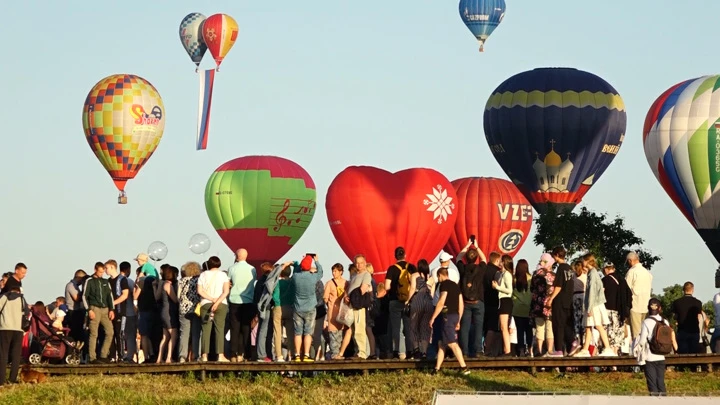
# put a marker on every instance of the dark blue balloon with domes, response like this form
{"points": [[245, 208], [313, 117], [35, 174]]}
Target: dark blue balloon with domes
{"points": [[554, 131]]}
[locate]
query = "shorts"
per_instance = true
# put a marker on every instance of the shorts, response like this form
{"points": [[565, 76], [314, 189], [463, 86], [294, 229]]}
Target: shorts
{"points": [[449, 334], [146, 322], [599, 317], [304, 323], [506, 306], [543, 329]]}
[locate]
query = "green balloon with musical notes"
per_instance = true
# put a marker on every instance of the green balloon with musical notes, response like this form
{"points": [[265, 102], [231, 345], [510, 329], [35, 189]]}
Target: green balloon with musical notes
{"points": [[261, 203]]}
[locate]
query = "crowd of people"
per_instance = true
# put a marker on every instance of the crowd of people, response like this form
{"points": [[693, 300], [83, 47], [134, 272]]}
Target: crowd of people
{"points": [[483, 306]]}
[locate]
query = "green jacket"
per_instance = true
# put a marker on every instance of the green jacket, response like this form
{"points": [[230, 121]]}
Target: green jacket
{"points": [[97, 293]]}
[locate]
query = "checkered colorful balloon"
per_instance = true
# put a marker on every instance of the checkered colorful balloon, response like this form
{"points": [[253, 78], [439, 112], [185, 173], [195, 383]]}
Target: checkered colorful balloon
{"points": [[123, 119], [192, 38]]}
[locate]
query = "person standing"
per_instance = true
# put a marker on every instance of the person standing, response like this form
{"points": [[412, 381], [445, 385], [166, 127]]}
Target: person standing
{"points": [[561, 305], [98, 299], [121, 291], [76, 311], [242, 307], [687, 310], [639, 280], [471, 285], [305, 277], [129, 328], [363, 281], [715, 340], [12, 309], [397, 285], [654, 363], [213, 288]]}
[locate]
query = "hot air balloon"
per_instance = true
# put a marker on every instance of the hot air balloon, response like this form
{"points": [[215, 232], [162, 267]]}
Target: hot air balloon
{"points": [[554, 131], [681, 137], [123, 118], [494, 211], [260, 203], [192, 38], [482, 17], [372, 211], [220, 31]]}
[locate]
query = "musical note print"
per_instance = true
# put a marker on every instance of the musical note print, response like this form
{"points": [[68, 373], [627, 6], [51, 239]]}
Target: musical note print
{"points": [[292, 212]]}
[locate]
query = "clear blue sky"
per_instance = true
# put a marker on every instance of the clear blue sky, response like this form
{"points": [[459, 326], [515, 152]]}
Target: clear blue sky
{"points": [[328, 84]]}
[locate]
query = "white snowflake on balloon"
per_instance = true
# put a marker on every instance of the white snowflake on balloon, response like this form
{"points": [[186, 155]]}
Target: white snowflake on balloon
{"points": [[440, 204]]}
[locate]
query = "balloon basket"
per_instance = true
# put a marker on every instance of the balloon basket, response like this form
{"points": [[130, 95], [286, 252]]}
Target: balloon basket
{"points": [[122, 198]]}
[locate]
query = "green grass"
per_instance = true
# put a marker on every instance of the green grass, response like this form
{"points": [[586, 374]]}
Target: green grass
{"points": [[379, 388]]}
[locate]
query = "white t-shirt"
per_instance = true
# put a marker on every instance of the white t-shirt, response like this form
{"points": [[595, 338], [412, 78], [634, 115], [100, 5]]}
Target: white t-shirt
{"points": [[57, 318], [212, 282], [716, 305], [453, 275]]}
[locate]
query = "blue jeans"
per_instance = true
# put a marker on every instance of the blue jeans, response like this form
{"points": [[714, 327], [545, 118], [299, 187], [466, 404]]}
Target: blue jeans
{"points": [[261, 339], [714, 339], [687, 342], [472, 317]]}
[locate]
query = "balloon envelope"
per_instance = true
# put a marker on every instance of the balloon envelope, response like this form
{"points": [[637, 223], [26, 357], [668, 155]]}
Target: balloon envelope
{"points": [[482, 17], [220, 31], [199, 243], [123, 119], [681, 137], [192, 38], [555, 131], [372, 211], [494, 211], [157, 251], [262, 204]]}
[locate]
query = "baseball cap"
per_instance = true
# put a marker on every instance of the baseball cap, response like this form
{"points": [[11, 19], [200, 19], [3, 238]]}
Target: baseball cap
{"points": [[306, 263], [445, 257], [142, 256]]}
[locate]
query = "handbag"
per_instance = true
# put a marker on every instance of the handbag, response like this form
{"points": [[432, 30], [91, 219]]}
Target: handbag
{"points": [[345, 314]]}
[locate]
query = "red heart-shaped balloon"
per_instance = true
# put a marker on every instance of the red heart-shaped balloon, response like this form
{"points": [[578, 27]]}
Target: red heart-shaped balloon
{"points": [[372, 211]]}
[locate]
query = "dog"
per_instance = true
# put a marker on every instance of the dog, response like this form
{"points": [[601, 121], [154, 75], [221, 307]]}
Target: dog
{"points": [[30, 376]]}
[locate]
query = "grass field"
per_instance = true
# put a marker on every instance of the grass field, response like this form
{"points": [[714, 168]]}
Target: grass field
{"points": [[379, 388]]}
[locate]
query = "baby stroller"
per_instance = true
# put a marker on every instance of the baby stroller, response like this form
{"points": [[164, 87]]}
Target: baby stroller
{"points": [[47, 343]]}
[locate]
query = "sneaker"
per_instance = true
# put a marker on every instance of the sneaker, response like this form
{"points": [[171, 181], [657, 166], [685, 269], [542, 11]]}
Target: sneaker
{"points": [[307, 359], [574, 348], [297, 358], [555, 354], [608, 353], [280, 360], [182, 360], [464, 371], [582, 353]]}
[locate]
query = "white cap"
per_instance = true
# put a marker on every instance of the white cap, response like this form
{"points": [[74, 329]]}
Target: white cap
{"points": [[445, 257]]}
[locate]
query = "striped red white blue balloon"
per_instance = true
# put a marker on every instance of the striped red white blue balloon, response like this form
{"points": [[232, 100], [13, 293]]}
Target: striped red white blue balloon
{"points": [[681, 137]]}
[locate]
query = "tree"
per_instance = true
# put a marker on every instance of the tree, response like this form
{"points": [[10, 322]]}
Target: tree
{"points": [[585, 231]]}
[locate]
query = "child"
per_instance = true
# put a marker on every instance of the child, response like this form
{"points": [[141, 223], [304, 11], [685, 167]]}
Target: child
{"points": [[58, 314]]}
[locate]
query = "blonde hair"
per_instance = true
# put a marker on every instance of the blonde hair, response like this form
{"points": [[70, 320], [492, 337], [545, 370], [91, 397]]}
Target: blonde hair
{"points": [[369, 267], [191, 269], [380, 288], [589, 259]]}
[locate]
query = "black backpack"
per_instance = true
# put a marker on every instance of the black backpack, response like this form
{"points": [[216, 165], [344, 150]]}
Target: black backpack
{"points": [[467, 285]]}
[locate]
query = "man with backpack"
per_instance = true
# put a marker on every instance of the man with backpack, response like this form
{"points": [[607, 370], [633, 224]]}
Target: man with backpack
{"points": [[656, 340], [360, 296], [397, 285], [473, 293]]}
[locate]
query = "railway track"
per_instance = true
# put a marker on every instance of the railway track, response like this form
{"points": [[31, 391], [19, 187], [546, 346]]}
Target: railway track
{"points": [[366, 366]]}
